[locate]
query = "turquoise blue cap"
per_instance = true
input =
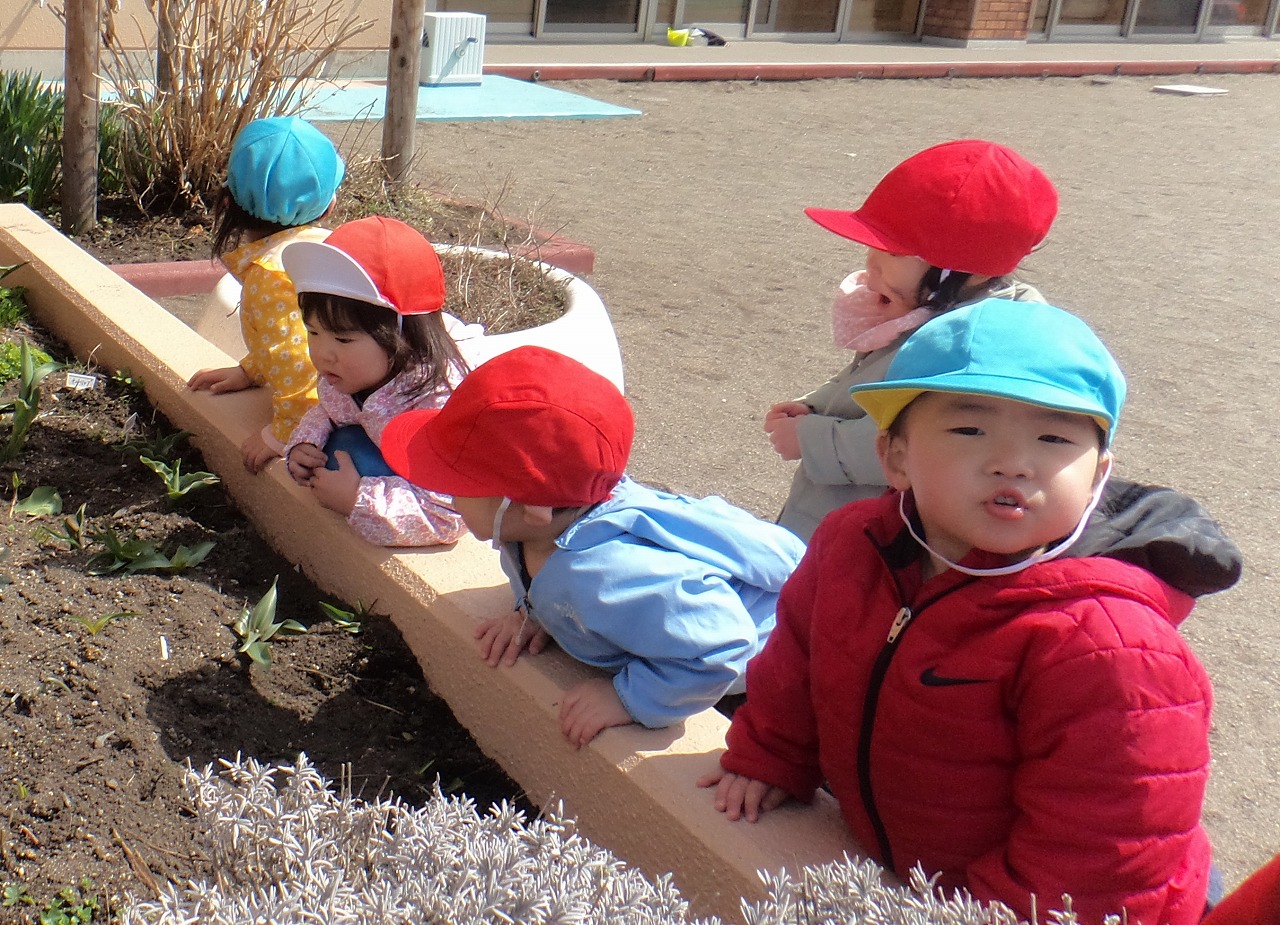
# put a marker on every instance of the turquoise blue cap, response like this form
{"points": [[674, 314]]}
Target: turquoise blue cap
{"points": [[1026, 351], [284, 170]]}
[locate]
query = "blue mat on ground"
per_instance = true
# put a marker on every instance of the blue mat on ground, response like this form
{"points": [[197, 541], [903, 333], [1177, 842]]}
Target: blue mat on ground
{"points": [[494, 97]]}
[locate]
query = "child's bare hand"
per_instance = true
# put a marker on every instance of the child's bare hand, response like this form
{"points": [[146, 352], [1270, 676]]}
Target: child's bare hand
{"points": [[303, 461], [502, 639], [780, 424], [255, 453], [217, 381], [738, 796], [589, 708], [337, 489]]}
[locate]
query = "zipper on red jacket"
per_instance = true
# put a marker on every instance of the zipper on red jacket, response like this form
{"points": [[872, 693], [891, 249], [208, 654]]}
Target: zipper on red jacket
{"points": [[879, 670]]}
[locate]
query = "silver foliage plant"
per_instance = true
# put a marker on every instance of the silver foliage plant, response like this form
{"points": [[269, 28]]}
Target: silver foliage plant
{"points": [[285, 848]]}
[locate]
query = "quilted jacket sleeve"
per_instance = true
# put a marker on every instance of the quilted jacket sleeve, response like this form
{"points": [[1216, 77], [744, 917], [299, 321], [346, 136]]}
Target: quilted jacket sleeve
{"points": [[773, 736]]}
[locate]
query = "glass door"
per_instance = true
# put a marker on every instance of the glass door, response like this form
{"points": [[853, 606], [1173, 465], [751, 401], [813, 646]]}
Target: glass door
{"points": [[1167, 17], [592, 16], [501, 16], [1090, 17], [797, 16], [879, 17]]}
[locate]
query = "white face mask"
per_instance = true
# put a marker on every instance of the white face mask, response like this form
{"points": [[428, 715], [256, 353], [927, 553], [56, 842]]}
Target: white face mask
{"points": [[1044, 555], [861, 322], [496, 541]]}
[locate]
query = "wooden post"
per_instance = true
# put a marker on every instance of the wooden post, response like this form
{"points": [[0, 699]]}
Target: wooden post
{"points": [[80, 120], [403, 71], [166, 43]]}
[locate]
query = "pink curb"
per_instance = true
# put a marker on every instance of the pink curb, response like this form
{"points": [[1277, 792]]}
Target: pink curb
{"points": [[690, 72], [193, 277]]}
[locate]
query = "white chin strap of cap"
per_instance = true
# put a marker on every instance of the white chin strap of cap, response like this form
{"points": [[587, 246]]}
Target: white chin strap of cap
{"points": [[497, 524], [1043, 555]]}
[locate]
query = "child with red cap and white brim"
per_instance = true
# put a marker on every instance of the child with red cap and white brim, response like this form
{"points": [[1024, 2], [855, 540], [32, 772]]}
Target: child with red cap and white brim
{"points": [[371, 296], [670, 595], [944, 228]]}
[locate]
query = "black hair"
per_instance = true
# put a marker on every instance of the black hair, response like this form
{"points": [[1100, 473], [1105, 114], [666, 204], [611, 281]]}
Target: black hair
{"points": [[418, 342], [942, 295], [231, 223]]}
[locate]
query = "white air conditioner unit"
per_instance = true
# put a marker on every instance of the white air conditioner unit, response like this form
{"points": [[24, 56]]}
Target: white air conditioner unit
{"points": [[452, 48]]}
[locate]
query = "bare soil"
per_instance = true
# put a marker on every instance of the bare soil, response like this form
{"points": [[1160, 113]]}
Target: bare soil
{"points": [[99, 715]]}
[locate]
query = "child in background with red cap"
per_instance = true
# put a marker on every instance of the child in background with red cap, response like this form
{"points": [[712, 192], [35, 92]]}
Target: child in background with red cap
{"points": [[944, 228], [670, 595], [282, 177], [370, 296]]}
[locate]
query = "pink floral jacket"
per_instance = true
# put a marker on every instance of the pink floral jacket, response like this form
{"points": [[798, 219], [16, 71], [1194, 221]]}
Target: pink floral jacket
{"points": [[389, 510]]}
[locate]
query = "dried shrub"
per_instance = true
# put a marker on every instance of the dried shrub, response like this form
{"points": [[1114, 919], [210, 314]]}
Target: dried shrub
{"points": [[206, 68]]}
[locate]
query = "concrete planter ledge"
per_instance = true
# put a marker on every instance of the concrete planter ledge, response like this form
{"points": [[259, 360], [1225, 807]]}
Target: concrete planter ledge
{"points": [[632, 790]]}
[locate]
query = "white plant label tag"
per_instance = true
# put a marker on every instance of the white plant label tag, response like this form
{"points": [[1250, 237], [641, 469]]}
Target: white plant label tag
{"points": [[81, 381]]}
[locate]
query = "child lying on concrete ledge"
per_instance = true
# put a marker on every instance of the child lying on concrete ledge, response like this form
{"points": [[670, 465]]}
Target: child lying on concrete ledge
{"points": [[671, 595]]}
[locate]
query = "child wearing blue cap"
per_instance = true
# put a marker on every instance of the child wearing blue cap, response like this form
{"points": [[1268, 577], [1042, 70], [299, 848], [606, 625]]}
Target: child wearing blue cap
{"points": [[1021, 722], [282, 177]]}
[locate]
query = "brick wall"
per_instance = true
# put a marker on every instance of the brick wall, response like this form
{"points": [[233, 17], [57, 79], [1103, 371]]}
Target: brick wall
{"points": [[976, 19]]}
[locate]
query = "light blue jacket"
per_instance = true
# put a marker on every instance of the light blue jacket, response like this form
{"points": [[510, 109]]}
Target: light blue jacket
{"points": [[674, 595]]}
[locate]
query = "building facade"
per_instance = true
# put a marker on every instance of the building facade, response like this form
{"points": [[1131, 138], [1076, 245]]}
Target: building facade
{"points": [[945, 21]]}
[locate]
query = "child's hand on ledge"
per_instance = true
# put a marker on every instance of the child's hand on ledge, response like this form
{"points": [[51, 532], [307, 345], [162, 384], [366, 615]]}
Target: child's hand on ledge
{"points": [[502, 639], [738, 796], [337, 489], [303, 461], [255, 453], [217, 381], [589, 708]]}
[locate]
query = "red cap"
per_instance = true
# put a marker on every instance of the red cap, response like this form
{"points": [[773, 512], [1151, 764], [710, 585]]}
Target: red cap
{"points": [[378, 260], [531, 425], [970, 206]]}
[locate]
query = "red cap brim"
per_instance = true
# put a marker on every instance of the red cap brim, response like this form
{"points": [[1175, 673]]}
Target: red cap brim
{"points": [[849, 225], [409, 450]]}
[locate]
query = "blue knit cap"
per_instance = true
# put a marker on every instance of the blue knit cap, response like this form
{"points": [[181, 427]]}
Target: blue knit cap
{"points": [[284, 170], [1026, 351]]}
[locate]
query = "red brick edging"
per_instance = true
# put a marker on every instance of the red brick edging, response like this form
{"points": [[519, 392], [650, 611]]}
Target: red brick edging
{"points": [[904, 70], [192, 277]]}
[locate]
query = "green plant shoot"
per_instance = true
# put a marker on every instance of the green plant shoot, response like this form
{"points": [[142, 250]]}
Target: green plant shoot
{"points": [[72, 531], [177, 485], [11, 360], [156, 446], [131, 383], [129, 555], [350, 620], [42, 502], [256, 627], [24, 408], [95, 625]]}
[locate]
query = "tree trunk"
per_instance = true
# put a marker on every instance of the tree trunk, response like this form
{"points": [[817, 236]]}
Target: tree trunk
{"points": [[403, 71], [80, 120]]}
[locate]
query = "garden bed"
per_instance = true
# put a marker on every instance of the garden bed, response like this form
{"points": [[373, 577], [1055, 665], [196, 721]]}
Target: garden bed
{"points": [[109, 683]]}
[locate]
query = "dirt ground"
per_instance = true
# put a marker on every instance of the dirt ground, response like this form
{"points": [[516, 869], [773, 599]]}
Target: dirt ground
{"points": [[719, 288], [111, 681]]}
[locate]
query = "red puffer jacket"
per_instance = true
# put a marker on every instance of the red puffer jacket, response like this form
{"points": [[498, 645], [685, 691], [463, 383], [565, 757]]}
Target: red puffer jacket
{"points": [[1039, 733]]}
